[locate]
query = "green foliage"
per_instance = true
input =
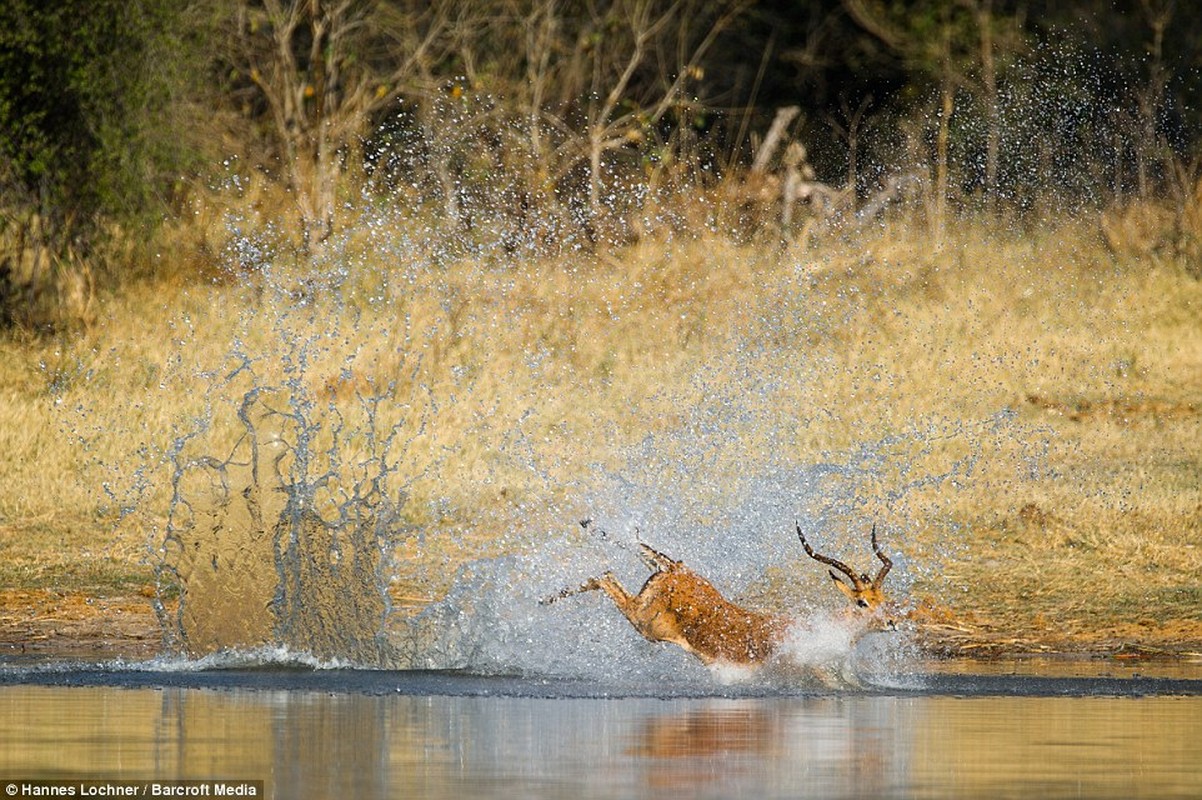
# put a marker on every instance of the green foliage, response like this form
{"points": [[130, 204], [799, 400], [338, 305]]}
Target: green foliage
{"points": [[514, 114], [84, 87]]}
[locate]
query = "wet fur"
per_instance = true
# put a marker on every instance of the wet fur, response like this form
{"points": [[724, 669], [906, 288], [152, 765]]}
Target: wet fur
{"points": [[679, 606]]}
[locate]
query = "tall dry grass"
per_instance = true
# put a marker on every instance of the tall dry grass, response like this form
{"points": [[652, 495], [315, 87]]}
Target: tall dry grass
{"points": [[1020, 405]]}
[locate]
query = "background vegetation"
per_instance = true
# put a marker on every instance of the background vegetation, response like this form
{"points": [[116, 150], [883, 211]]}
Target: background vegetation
{"points": [[759, 235], [536, 124]]}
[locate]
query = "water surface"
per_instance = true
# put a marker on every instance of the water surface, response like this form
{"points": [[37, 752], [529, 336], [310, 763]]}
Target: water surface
{"points": [[332, 733]]}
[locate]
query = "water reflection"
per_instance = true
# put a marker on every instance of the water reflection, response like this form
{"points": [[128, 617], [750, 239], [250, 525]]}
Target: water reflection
{"points": [[310, 744]]}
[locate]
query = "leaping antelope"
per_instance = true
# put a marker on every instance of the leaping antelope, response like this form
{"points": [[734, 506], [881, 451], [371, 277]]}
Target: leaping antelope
{"points": [[679, 606]]}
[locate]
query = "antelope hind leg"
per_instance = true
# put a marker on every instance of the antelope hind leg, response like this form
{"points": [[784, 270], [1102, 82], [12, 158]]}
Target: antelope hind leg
{"points": [[655, 559], [592, 584], [606, 583], [624, 600]]}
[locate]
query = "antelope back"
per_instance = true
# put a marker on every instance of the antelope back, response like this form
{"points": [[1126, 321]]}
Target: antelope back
{"points": [[704, 622]]}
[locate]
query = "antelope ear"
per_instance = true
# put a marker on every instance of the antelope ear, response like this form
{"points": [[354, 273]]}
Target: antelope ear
{"points": [[843, 587]]}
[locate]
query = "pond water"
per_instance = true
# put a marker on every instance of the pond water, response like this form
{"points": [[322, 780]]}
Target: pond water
{"points": [[959, 731]]}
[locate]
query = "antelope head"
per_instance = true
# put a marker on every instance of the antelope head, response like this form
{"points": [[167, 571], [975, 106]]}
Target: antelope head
{"points": [[866, 593]]}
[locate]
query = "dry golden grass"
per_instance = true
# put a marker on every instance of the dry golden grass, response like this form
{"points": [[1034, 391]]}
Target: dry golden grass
{"points": [[1056, 387]]}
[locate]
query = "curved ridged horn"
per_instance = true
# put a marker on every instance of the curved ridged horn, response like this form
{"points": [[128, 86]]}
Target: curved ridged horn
{"points": [[880, 576], [856, 580]]}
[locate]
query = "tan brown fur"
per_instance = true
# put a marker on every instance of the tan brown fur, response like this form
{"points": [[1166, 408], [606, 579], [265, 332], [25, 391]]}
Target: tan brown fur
{"points": [[679, 606]]}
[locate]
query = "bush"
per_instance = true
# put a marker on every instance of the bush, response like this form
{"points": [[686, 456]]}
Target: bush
{"points": [[88, 152]]}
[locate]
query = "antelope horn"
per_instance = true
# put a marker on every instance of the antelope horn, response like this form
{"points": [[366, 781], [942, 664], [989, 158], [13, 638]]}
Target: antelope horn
{"points": [[856, 580], [880, 576]]}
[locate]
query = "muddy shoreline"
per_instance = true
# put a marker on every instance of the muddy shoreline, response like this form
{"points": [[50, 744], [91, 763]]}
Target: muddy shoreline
{"points": [[45, 623]]}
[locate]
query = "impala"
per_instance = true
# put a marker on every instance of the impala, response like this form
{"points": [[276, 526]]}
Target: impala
{"points": [[679, 606]]}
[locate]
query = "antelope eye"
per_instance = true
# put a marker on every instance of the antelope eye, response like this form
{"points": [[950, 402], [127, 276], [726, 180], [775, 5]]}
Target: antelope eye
{"points": [[862, 603]]}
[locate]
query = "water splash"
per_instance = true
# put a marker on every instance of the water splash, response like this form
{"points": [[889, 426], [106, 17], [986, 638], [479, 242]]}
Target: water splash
{"points": [[264, 555], [289, 485], [314, 456], [286, 546], [492, 621]]}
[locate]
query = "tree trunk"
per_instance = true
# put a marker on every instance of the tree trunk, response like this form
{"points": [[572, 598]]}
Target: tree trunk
{"points": [[947, 106], [594, 186], [993, 132]]}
